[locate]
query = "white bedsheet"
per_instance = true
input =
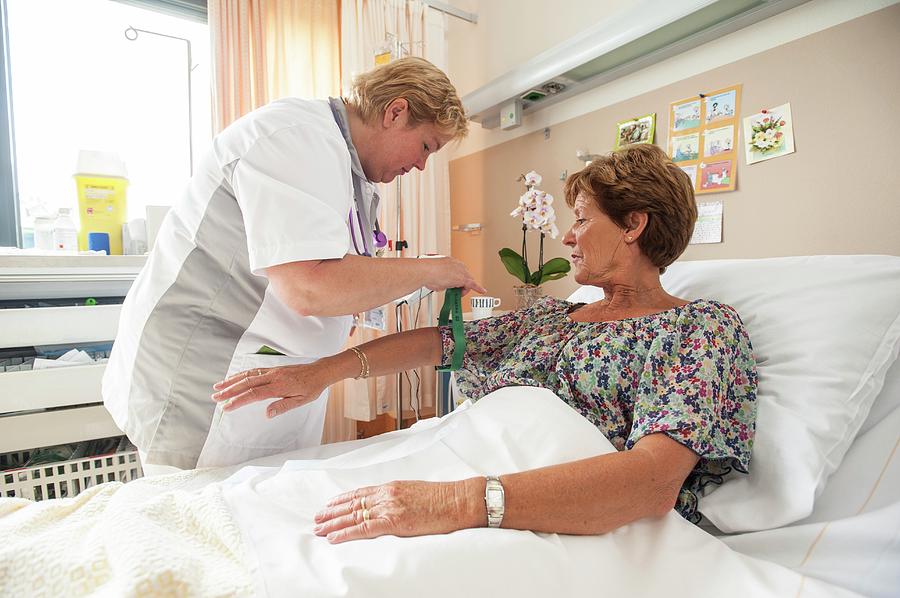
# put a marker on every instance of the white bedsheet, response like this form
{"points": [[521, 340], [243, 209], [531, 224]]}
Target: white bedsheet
{"points": [[245, 530], [511, 430], [852, 538]]}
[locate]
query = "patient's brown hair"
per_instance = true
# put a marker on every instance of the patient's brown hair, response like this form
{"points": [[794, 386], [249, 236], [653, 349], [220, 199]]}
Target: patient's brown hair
{"points": [[642, 178]]}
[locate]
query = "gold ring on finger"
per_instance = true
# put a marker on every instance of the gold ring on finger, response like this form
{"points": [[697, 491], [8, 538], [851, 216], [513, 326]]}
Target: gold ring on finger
{"points": [[365, 514], [363, 503]]}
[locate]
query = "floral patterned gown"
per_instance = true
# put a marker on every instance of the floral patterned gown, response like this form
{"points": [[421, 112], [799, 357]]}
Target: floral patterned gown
{"points": [[687, 372]]}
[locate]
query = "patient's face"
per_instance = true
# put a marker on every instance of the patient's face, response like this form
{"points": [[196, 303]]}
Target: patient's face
{"points": [[595, 241]]}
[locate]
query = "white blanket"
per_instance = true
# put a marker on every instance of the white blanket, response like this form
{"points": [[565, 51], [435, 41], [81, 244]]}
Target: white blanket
{"points": [[194, 534], [510, 430], [165, 536]]}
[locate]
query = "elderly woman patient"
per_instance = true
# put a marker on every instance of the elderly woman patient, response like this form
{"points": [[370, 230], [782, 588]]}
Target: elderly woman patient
{"points": [[670, 382]]}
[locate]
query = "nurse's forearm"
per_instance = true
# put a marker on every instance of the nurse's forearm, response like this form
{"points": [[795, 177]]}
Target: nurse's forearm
{"points": [[354, 284], [388, 355]]}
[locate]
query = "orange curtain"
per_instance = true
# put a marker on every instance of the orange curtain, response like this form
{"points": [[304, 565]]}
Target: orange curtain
{"points": [[269, 49]]}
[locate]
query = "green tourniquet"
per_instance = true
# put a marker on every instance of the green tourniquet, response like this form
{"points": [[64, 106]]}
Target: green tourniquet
{"points": [[266, 350], [452, 311]]}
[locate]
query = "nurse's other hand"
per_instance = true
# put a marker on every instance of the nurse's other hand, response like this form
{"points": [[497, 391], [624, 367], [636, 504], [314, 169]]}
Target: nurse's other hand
{"points": [[408, 508], [293, 386], [447, 273]]}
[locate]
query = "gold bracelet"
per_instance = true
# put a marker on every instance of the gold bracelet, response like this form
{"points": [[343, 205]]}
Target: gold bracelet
{"points": [[363, 363]]}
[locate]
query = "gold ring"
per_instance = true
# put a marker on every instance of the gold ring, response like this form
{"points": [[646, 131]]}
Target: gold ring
{"points": [[365, 514], [258, 372], [363, 503]]}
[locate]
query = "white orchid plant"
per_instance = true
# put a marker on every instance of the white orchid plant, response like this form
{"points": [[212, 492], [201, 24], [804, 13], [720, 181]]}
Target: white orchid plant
{"points": [[536, 211]]}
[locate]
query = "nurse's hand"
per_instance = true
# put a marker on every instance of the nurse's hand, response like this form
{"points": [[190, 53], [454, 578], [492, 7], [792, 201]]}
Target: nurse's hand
{"points": [[408, 508], [447, 273], [293, 385]]}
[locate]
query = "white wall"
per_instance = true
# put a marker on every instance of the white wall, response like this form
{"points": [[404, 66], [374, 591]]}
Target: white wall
{"points": [[510, 32]]}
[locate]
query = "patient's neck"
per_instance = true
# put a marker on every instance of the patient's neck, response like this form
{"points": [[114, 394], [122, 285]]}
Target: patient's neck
{"points": [[628, 300]]}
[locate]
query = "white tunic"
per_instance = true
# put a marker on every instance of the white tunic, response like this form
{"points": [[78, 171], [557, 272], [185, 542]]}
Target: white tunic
{"points": [[276, 187]]}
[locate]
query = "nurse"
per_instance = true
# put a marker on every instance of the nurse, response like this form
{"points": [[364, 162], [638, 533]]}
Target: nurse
{"points": [[269, 248]]}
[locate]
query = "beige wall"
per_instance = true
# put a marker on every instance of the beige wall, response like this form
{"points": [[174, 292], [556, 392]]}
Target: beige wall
{"points": [[509, 32], [839, 193]]}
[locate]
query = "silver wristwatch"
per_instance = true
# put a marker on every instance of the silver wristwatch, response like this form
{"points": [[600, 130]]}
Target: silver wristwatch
{"points": [[494, 500]]}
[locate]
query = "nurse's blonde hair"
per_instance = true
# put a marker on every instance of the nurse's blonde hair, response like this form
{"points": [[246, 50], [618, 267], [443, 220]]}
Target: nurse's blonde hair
{"points": [[431, 97]]}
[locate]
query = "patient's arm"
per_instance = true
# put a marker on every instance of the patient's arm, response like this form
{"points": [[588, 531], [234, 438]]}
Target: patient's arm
{"points": [[296, 385], [590, 496], [599, 494]]}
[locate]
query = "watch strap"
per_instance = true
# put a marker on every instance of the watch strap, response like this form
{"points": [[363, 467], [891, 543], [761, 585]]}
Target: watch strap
{"points": [[494, 501]]}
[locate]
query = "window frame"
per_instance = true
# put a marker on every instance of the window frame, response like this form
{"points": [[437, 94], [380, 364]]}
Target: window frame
{"points": [[10, 223], [10, 214]]}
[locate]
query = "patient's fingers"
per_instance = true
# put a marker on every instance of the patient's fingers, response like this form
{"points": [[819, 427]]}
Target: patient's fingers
{"points": [[359, 523], [357, 494], [241, 383], [345, 508], [367, 529], [245, 392], [241, 376], [287, 403]]}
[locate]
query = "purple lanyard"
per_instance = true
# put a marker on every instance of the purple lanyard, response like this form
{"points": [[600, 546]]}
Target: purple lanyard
{"points": [[378, 237], [353, 233]]}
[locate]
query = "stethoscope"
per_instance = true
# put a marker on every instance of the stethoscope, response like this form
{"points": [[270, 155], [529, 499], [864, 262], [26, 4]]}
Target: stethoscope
{"points": [[378, 237]]}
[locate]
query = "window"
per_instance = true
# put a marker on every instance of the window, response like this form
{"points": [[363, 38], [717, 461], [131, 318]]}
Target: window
{"points": [[77, 82]]}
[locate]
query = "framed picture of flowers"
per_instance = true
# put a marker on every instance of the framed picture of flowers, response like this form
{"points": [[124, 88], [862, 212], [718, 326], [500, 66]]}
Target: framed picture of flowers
{"points": [[769, 134]]}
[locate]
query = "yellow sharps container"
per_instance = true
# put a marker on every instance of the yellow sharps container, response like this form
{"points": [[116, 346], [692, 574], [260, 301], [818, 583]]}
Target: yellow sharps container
{"points": [[101, 181]]}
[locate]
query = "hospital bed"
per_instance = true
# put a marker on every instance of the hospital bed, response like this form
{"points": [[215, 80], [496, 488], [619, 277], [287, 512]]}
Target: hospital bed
{"points": [[819, 514]]}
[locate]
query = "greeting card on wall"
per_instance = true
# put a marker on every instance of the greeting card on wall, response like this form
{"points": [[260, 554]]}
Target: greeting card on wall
{"points": [[769, 134], [636, 130], [703, 134]]}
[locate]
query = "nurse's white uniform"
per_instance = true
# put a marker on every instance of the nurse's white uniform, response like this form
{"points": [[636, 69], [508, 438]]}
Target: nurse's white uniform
{"points": [[277, 186]]}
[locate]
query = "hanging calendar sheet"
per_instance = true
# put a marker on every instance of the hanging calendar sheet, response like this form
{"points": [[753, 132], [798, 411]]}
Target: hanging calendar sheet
{"points": [[703, 135]]}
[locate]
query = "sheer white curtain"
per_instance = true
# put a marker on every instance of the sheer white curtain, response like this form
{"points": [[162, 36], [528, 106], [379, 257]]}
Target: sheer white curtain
{"points": [[424, 196]]}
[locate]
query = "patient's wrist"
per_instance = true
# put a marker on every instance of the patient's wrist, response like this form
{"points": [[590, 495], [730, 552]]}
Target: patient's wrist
{"points": [[472, 509], [340, 366]]}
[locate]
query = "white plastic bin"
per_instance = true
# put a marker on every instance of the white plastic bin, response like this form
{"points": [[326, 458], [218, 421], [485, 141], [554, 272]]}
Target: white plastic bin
{"points": [[69, 478]]}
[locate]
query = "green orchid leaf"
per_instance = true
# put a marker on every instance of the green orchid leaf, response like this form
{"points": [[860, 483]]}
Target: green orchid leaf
{"points": [[514, 264], [555, 276], [555, 269]]}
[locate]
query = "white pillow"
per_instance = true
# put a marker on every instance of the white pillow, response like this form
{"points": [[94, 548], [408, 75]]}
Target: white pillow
{"points": [[825, 330]]}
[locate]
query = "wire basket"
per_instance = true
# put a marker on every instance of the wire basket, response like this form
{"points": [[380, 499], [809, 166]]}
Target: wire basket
{"points": [[68, 478]]}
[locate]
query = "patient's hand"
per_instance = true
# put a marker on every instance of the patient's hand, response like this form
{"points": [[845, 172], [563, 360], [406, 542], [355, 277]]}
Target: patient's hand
{"points": [[408, 508], [293, 385]]}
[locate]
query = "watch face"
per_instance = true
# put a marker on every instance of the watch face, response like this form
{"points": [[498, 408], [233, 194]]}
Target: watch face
{"points": [[494, 499]]}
